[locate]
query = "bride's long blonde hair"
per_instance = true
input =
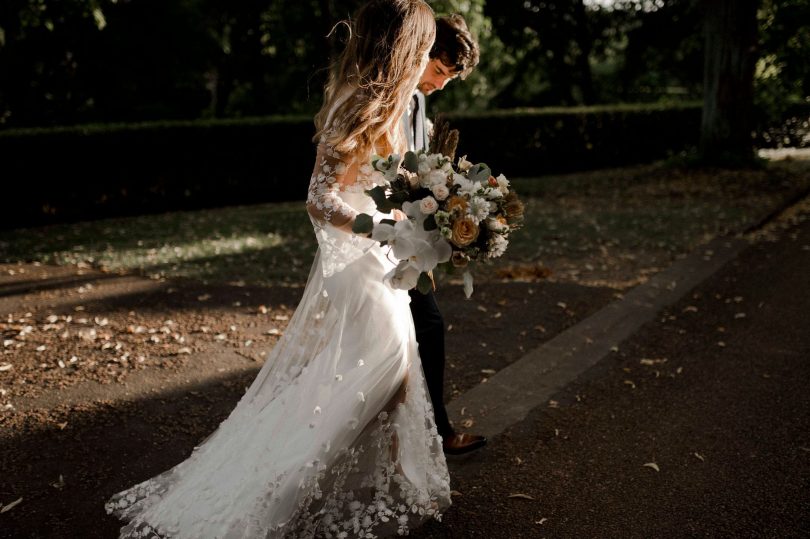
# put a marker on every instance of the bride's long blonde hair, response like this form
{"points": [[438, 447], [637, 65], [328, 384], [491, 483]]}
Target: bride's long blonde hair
{"points": [[378, 69]]}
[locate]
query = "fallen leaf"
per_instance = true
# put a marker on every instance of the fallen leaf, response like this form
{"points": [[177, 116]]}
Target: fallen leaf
{"points": [[699, 456], [520, 496], [541, 521], [652, 465], [467, 423], [488, 371], [647, 361], [455, 493], [630, 383], [11, 506]]}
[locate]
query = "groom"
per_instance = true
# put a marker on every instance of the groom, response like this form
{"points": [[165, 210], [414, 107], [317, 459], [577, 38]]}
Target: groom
{"points": [[454, 54]]}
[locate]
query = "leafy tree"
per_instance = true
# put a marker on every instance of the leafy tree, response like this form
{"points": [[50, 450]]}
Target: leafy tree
{"points": [[550, 42], [783, 73], [488, 78], [42, 46]]}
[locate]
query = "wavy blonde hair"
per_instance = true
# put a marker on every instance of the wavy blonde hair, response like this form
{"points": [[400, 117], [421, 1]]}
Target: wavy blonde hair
{"points": [[379, 69]]}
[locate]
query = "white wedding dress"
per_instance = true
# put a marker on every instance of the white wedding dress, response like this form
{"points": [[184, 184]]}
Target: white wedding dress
{"points": [[325, 442]]}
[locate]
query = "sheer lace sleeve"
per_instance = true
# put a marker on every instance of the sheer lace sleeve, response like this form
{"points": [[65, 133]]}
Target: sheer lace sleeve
{"points": [[333, 173]]}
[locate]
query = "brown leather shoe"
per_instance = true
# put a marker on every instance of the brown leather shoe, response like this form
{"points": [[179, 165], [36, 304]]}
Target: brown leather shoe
{"points": [[461, 443]]}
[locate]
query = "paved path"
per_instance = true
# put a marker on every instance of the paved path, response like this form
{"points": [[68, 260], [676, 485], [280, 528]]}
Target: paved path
{"points": [[699, 426]]}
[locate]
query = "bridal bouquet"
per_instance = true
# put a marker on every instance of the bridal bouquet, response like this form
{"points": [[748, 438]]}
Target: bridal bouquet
{"points": [[457, 213]]}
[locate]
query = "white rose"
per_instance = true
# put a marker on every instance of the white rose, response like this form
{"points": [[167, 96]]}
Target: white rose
{"points": [[463, 164], [503, 184], [424, 167], [428, 205], [436, 177], [440, 191]]}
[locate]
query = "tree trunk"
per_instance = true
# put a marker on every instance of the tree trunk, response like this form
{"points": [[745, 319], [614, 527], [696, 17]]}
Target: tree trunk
{"points": [[728, 79]]}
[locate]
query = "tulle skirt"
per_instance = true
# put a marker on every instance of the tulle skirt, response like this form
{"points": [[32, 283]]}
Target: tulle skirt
{"points": [[334, 438]]}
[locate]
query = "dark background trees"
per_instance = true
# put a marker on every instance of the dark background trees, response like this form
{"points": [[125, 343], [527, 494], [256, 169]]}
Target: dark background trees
{"points": [[78, 61]]}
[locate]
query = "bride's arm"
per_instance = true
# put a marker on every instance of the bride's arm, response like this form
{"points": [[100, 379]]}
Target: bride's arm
{"points": [[333, 172]]}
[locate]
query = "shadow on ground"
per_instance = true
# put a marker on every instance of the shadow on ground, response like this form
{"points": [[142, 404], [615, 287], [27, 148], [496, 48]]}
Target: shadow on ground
{"points": [[67, 461]]}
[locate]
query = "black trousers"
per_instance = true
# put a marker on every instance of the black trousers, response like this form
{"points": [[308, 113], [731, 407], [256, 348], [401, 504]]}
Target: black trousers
{"points": [[429, 326]]}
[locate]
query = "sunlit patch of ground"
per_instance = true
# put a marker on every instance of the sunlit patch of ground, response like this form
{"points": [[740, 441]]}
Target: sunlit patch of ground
{"points": [[605, 228]]}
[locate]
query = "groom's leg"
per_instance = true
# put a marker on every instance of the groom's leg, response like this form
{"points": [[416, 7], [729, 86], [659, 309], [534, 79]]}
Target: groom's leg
{"points": [[429, 326]]}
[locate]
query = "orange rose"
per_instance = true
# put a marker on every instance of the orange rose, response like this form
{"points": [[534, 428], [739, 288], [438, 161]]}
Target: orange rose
{"points": [[493, 182], [465, 231]]}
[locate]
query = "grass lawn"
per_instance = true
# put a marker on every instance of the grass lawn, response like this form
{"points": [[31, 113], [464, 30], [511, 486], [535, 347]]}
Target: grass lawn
{"points": [[608, 227]]}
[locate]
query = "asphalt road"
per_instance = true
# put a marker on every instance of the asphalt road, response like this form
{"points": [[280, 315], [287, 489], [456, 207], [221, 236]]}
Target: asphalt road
{"points": [[698, 426]]}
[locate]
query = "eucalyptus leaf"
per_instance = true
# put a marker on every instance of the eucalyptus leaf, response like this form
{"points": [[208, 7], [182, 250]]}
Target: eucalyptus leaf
{"points": [[430, 223], [479, 173], [425, 283], [411, 162], [363, 224], [378, 195]]}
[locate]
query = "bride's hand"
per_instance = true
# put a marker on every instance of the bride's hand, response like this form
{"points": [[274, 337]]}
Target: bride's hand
{"points": [[398, 215]]}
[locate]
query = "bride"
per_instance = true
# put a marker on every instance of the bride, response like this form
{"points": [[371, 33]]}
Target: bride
{"points": [[335, 437]]}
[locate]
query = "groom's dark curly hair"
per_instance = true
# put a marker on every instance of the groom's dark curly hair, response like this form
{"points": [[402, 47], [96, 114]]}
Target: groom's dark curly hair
{"points": [[455, 46]]}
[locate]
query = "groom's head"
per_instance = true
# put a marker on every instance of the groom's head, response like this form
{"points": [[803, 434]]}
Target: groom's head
{"points": [[454, 54]]}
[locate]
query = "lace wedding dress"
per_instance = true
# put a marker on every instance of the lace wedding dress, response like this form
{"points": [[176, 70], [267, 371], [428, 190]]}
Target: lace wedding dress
{"points": [[335, 437]]}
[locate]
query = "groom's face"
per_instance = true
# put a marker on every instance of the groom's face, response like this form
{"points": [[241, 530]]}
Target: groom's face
{"points": [[435, 77]]}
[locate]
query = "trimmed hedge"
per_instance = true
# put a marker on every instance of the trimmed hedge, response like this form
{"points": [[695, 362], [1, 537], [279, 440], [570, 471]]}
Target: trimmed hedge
{"points": [[89, 172], [532, 142]]}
